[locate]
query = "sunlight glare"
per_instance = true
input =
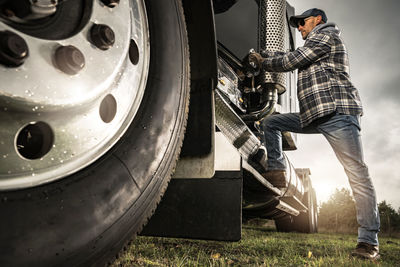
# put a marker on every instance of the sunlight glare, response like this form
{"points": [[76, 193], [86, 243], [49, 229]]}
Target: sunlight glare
{"points": [[323, 190]]}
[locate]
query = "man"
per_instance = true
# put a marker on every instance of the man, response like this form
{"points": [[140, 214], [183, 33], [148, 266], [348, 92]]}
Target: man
{"points": [[330, 105]]}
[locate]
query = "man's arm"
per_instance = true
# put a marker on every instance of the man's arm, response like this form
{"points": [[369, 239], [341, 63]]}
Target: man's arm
{"points": [[315, 48], [266, 53]]}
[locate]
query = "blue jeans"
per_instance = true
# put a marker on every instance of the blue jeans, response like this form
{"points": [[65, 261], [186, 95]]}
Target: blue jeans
{"points": [[343, 134]]}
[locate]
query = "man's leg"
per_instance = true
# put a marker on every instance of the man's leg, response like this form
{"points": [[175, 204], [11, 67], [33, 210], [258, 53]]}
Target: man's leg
{"points": [[343, 133], [272, 127]]}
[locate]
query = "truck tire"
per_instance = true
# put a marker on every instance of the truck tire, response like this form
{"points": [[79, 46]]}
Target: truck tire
{"points": [[305, 222], [314, 217], [86, 218]]}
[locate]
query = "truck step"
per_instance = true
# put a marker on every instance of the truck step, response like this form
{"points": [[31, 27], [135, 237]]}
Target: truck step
{"points": [[287, 208], [260, 179], [234, 129], [294, 202], [272, 208]]}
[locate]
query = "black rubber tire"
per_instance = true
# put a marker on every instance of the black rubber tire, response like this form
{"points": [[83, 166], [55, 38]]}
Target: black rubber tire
{"points": [[285, 224], [85, 219], [315, 213], [305, 222]]}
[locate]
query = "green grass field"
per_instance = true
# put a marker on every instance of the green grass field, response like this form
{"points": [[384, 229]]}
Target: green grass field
{"points": [[260, 246]]}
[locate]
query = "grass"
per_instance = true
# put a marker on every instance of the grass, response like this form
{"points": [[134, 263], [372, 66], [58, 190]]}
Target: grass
{"points": [[260, 246]]}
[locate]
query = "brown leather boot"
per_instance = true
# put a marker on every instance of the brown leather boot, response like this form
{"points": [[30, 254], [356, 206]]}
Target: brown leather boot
{"points": [[277, 178], [366, 251]]}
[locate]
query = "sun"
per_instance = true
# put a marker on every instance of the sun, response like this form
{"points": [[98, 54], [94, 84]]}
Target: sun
{"points": [[323, 190]]}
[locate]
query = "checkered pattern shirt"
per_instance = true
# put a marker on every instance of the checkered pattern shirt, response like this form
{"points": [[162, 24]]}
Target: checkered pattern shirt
{"points": [[323, 84]]}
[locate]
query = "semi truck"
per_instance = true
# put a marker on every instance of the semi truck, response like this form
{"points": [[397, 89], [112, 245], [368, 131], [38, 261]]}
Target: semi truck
{"points": [[112, 111]]}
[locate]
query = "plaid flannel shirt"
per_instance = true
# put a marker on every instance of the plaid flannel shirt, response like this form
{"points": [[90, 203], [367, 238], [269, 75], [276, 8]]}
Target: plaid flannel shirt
{"points": [[323, 84]]}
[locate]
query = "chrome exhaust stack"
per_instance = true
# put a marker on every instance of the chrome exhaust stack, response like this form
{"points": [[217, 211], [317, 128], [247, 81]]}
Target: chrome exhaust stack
{"points": [[272, 36]]}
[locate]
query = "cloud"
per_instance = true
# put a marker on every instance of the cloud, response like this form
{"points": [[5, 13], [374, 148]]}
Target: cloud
{"points": [[382, 150]]}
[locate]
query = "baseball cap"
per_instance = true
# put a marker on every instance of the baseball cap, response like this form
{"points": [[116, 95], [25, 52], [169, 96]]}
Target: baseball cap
{"points": [[313, 12]]}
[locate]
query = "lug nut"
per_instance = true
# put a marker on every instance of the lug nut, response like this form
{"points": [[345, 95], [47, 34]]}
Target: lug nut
{"points": [[110, 3], [102, 36], [13, 49], [69, 59]]}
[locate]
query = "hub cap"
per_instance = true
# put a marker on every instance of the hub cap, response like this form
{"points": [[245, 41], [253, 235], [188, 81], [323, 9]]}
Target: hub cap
{"points": [[55, 122]]}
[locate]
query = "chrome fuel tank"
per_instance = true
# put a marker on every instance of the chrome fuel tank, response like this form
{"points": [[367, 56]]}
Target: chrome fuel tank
{"points": [[295, 186]]}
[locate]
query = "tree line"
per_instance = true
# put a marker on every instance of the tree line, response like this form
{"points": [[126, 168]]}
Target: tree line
{"points": [[338, 214]]}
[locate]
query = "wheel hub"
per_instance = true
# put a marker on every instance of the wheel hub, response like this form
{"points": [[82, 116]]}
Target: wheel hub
{"points": [[62, 111]]}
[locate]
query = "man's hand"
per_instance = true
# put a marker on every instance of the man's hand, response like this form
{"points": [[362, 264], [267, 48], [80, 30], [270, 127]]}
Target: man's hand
{"points": [[256, 60], [252, 63]]}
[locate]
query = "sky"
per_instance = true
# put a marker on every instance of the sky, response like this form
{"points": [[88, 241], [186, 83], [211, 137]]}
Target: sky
{"points": [[371, 34]]}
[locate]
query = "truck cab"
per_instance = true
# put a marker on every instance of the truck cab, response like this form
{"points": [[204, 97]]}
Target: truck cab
{"points": [[112, 111], [240, 103]]}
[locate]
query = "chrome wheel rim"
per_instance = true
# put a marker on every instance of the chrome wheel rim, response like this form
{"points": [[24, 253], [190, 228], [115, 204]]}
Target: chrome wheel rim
{"points": [[54, 123]]}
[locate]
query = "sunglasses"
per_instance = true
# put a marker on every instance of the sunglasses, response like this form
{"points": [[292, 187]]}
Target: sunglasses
{"points": [[302, 22]]}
